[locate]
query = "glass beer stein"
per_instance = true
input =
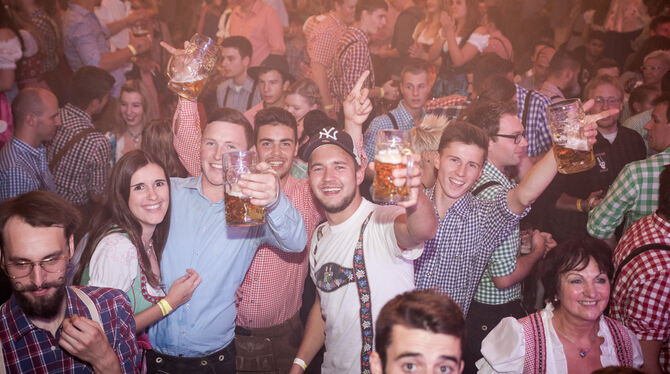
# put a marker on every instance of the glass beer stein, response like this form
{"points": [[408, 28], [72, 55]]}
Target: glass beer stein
{"points": [[571, 147], [189, 69], [392, 151], [239, 209]]}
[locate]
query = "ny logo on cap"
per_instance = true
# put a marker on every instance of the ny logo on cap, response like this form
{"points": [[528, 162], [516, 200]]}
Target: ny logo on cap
{"points": [[330, 133]]}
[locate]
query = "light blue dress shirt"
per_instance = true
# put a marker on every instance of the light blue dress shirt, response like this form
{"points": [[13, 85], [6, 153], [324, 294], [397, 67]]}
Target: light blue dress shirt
{"points": [[199, 239]]}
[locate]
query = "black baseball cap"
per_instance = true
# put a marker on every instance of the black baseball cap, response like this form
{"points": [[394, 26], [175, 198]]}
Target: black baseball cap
{"points": [[334, 136]]}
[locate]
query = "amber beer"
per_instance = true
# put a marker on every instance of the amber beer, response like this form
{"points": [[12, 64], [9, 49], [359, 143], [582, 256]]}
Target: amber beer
{"points": [[573, 160], [384, 190], [241, 212], [572, 151], [188, 90]]}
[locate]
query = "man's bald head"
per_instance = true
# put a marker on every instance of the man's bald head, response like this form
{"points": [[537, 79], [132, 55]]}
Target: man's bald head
{"points": [[30, 101]]}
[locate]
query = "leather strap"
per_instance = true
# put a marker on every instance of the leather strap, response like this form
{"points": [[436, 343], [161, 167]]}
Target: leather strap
{"points": [[63, 151], [92, 310], [526, 109], [484, 186], [635, 253], [393, 121]]}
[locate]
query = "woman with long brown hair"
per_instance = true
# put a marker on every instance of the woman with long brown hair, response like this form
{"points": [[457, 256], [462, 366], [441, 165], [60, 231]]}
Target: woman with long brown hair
{"points": [[158, 141], [124, 248]]}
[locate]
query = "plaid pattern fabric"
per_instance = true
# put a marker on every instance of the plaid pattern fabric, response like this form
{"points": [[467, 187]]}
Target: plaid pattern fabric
{"points": [[453, 261], [349, 62], [50, 36], [537, 130], [23, 169], [272, 289], [640, 298], [633, 195], [84, 169], [322, 34], [187, 135], [447, 106], [383, 122], [29, 349], [503, 259]]}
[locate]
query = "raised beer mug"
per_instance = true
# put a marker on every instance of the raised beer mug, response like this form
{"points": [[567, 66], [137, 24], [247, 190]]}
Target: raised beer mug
{"points": [[571, 146], [189, 69], [393, 150], [239, 209]]}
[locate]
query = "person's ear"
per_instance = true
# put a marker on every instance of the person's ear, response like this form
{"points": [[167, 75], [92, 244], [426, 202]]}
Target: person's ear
{"points": [[286, 85], [246, 60], [376, 366], [70, 245]]}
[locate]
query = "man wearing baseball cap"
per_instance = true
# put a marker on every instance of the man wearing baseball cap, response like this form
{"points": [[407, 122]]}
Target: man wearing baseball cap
{"points": [[361, 257]]}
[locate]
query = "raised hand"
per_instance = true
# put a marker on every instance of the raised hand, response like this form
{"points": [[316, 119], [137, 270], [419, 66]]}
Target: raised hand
{"points": [[357, 106]]}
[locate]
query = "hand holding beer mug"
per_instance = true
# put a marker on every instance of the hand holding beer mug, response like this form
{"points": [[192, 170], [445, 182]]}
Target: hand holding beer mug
{"points": [[239, 209], [188, 69], [566, 121], [392, 151]]}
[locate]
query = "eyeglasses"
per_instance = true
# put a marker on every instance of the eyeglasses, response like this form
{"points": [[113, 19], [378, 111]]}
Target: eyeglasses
{"points": [[611, 101], [517, 138], [23, 269], [651, 68]]}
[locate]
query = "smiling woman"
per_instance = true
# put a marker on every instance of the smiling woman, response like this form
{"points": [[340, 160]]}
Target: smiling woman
{"points": [[571, 334]]}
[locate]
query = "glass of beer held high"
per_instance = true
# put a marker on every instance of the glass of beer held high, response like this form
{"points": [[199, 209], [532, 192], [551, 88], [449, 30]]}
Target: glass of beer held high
{"points": [[188, 70], [392, 151], [571, 147], [239, 209]]}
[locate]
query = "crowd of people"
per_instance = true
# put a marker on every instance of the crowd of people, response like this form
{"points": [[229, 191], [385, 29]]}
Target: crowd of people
{"points": [[117, 247]]}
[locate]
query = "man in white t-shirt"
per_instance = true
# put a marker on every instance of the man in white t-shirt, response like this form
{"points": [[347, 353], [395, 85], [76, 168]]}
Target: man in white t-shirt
{"points": [[362, 256]]}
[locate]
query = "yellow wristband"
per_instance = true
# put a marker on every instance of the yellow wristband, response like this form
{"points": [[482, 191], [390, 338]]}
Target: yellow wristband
{"points": [[381, 91], [166, 308], [300, 362], [132, 49], [579, 205], [329, 106]]}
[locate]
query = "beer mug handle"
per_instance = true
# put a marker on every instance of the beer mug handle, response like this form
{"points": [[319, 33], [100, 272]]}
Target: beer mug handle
{"points": [[410, 164]]}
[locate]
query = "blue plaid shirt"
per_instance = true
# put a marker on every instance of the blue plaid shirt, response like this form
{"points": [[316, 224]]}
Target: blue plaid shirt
{"points": [[537, 129], [30, 349], [454, 261], [23, 169], [383, 122]]}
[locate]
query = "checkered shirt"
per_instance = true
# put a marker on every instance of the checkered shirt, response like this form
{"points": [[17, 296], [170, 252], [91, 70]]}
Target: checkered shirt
{"points": [[447, 106], [50, 34], [349, 62], [84, 169], [403, 118], [272, 289], [322, 33], [641, 296], [30, 349], [503, 259], [632, 195], [454, 261], [23, 169], [537, 130]]}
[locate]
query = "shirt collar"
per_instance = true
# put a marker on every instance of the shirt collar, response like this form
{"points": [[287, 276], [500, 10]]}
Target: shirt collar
{"points": [[460, 207], [23, 146], [403, 109], [360, 31], [20, 325], [79, 9], [194, 183], [495, 174], [79, 113]]}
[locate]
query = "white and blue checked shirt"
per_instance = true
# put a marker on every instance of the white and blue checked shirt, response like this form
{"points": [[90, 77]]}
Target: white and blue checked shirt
{"points": [[403, 118], [453, 261], [537, 129], [23, 169]]}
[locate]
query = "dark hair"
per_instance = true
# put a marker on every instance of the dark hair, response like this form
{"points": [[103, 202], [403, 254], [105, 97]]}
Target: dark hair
{"points": [[489, 64], [573, 255], [605, 63], [464, 132], [416, 66], [275, 116], [640, 94], [234, 116], [157, 140], [562, 61], [89, 83], [28, 101], [496, 88], [419, 309], [664, 192], [597, 35], [472, 18], [653, 43], [369, 6], [658, 21], [115, 215], [665, 82], [486, 115], [664, 99], [242, 44], [9, 22], [40, 209]]}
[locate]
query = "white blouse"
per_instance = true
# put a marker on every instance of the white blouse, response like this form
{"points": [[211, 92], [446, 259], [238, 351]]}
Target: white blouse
{"points": [[114, 264], [504, 348], [480, 41], [10, 52]]}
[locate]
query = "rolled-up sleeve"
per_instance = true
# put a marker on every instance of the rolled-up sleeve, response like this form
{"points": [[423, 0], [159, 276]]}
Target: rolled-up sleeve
{"points": [[286, 228]]}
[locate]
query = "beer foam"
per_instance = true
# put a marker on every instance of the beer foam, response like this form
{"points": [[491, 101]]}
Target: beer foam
{"points": [[186, 78], [390, 156], [578, 144]]}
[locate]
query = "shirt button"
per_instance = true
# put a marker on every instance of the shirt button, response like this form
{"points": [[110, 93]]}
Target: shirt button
{"points": [[197, 253], [251, 301], [53, 348], [255, 278], [204, 228]]}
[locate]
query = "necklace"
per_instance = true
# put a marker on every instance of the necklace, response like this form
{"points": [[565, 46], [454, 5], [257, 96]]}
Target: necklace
{"points": [[143, 277], [582, 351], [136, 137]]}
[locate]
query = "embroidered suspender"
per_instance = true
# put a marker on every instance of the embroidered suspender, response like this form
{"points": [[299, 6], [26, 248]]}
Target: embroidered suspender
{"points": [[622, 343], [365, 311]]}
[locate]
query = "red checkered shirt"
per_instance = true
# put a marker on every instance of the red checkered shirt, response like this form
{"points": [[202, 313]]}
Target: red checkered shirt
{"points": [[84, 168], [350, 61], [641, 296], [322, 33], [272, 289]]}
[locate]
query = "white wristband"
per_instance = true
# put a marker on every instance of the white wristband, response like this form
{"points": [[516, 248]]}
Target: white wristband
{"points": [[300, 362]]}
